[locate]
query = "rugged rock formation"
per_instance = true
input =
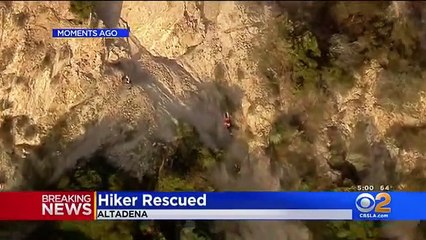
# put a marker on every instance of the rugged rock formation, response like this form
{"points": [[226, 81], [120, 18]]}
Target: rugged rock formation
{"points": [[213, 41], [64, 99]]}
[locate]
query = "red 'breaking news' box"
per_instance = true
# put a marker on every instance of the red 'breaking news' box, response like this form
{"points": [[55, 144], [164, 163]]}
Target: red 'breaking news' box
{"points": [[47, 205]]}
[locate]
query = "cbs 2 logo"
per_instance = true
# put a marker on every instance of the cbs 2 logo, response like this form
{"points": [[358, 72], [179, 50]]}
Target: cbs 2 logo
{"points": [[365, 203]]}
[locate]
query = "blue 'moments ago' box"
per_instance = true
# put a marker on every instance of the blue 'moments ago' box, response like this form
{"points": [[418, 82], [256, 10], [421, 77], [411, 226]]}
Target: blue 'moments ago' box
{"points": [[90, 33]]}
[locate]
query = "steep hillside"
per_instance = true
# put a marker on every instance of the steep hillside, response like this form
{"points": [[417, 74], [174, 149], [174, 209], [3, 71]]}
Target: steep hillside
{"points": [[323, 96], [268, 50]]}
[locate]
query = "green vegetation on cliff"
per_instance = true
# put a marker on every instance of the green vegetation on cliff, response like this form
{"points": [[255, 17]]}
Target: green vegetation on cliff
{"points": [[309, 52], [82, 9]]}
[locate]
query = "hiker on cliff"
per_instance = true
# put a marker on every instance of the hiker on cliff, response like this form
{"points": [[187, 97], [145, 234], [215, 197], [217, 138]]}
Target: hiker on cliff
{"points": [[126, 79], [227, 121]]}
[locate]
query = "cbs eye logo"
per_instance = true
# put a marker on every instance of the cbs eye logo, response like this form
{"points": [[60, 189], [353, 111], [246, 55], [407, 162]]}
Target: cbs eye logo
{"points": [[365, 203]]}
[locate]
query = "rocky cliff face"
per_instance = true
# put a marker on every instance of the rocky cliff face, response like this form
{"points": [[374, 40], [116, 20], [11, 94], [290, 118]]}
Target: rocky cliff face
{"points": [[47, 79], [188, 61], [213, 41]]}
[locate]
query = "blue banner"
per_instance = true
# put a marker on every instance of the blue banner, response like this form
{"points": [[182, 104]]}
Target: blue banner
{"points": [[363, 205], [90, 33]]}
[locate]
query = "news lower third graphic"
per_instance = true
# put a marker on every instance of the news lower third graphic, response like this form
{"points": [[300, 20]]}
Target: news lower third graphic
{"points": [[205, 206], [216, 206], [98, 206], [91, 33]]}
